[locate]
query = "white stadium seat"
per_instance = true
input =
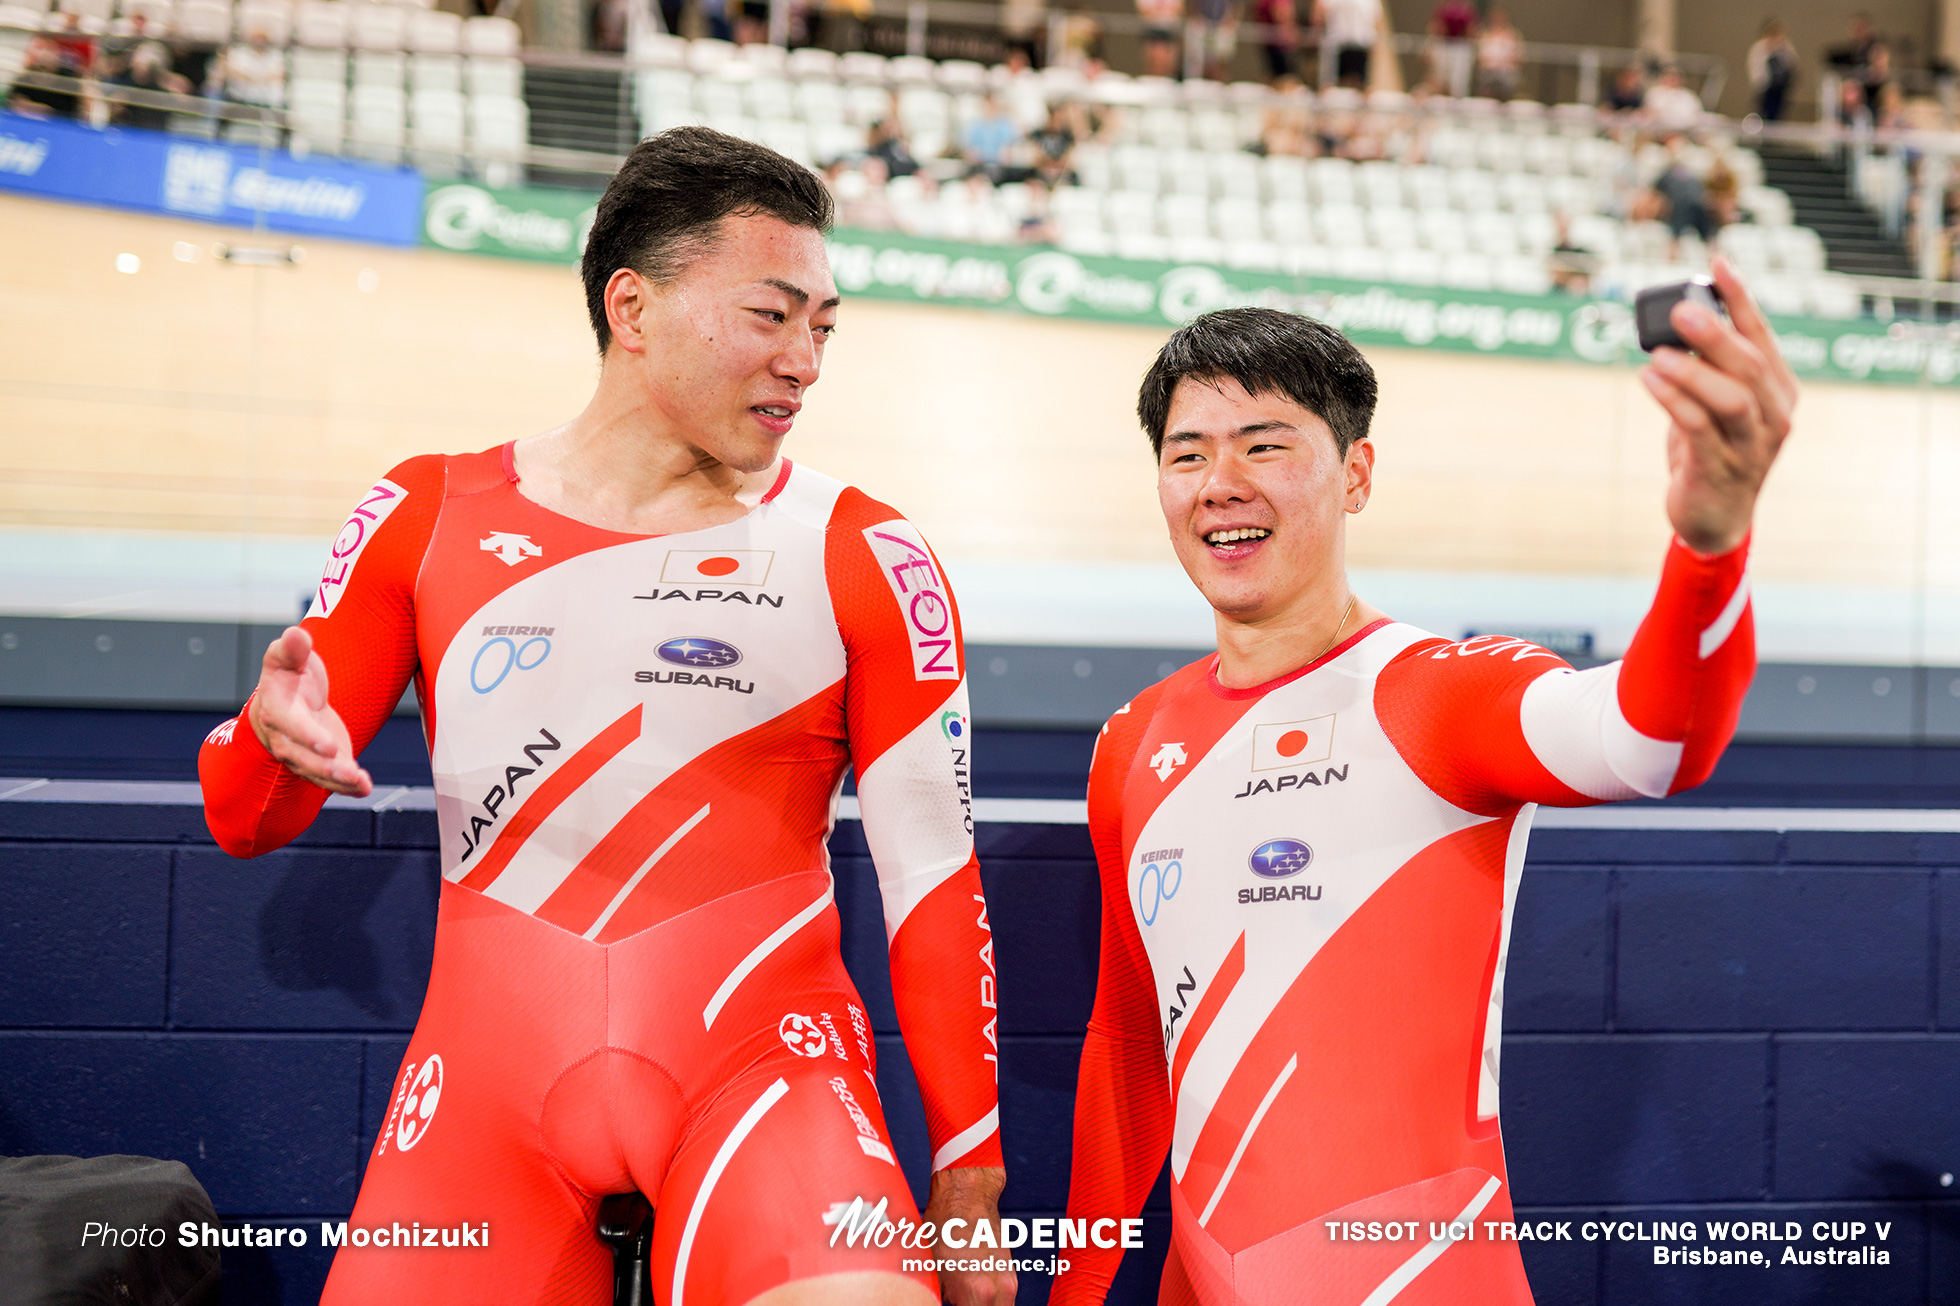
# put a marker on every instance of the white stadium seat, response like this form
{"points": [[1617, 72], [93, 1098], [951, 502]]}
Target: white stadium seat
{"points": [[491, 36]]}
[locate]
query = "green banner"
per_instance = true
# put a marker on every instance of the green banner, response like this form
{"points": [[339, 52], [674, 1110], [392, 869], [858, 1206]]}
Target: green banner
{"points": [[544, 225], [550, 225]]}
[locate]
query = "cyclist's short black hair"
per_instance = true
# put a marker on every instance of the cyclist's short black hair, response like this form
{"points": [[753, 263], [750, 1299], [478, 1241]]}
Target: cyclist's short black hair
{"points": [[666, 202], [1267, 352]]}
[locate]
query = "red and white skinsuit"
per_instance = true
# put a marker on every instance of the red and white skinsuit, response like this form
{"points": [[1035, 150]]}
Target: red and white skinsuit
{"points": [[638, 743], [1307, 893]]}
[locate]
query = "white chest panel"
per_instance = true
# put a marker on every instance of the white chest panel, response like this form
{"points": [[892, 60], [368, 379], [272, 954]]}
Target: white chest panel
{"points": [[709, 633], [1281, 849]]}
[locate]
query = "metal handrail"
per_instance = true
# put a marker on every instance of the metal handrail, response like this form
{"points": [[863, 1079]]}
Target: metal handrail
{"points": [[196, 106]]}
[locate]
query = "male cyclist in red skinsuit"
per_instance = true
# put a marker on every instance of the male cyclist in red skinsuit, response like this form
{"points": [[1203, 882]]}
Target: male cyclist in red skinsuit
{"points": [[647, 647], [1310, 844]]}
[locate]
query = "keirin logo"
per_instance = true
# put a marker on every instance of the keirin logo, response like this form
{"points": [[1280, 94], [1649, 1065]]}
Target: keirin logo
{"points": [[418, 1100], [802, 1035]]}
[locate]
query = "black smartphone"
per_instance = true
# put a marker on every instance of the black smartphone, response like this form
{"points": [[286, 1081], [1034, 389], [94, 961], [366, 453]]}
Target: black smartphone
{"points": [[1652, 306]]}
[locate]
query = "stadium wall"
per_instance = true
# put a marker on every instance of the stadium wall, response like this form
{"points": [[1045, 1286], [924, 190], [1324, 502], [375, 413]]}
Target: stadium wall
{"points": [[1752, 1023]]}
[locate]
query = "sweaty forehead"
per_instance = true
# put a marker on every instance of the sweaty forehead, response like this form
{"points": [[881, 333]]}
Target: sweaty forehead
{"points": [[757, 250]]}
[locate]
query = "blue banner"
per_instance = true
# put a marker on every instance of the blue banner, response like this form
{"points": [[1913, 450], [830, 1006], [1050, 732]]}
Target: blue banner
{"points": [[234, 184]]}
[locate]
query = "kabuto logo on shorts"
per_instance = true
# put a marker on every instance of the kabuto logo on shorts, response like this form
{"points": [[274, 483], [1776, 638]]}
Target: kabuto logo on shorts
{"points": [[414, 1107], [802, 1035], [354, 535], [908, 567]]}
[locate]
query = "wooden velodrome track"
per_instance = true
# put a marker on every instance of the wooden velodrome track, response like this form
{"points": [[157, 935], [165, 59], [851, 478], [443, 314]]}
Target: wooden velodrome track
{"points": [[203, 396]]}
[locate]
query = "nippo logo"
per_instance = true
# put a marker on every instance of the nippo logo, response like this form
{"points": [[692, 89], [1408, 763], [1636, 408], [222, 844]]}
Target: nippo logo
{"points": [[724, 566], [418, 1106], [354, 535], [953, 725], [1276, 859], [695, 651], [1292, 743], [802, 1035], [909, 568]]}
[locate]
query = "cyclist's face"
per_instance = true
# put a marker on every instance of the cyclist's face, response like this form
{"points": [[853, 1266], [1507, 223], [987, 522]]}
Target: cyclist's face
{"points": [[1253, 490], [727, 349]]}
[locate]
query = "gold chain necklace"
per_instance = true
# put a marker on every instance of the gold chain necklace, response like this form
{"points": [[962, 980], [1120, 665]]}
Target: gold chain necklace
{"points": [[1345, 614]]}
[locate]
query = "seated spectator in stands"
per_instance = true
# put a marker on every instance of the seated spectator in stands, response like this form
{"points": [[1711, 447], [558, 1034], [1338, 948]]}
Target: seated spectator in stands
{"points": [[1280, 37], [861, 199], [78, 48], [1161, 22], [1949, 252], [752, 22], [45, 57], [887, 145], [253, 73], [1629, 90], [1287, 128], [1572, 266], [146, 68], [1852, 109], [1335, 128], [1686, 196], [988, 142], [1772, 65], [1054, 142], [1671, 106], [1371, 137], [1351, 27], [1890, 114], [1500, 56], [1038, 223], [1721, 195]]}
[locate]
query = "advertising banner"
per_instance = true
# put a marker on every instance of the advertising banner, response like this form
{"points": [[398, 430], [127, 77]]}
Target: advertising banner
{"points": [[1051, 283], [238, 185], [1046, 282], [545, 225]]}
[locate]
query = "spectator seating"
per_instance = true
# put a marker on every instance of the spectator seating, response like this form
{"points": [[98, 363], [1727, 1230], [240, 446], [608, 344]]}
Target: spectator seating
{"points": [[1468, 193], [1471, 195], [393, 83]]}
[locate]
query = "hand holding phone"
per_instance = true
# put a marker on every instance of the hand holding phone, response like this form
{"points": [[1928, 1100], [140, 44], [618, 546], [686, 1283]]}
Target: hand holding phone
{"points": [[1653, 310]]}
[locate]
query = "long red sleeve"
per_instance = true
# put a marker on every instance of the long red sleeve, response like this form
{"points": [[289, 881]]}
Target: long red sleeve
{"points": [[911, 740], [1492, 722], [363, 625], [1123, 1113]]}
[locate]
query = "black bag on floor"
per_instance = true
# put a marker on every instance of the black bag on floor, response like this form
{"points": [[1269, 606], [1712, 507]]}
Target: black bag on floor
{"points": [[82, 1230]]}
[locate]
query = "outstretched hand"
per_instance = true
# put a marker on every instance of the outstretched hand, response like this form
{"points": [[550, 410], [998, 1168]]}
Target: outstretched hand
{"points": [[292, 718], [1729, 406]]}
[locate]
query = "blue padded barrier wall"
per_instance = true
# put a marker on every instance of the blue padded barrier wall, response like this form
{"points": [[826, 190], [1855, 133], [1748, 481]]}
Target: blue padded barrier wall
{"points": [[1755, 1019]]}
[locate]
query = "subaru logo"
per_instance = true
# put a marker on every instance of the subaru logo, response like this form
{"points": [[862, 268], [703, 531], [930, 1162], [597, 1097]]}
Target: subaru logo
{"points": [[1276, 859], [693, 651]]}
